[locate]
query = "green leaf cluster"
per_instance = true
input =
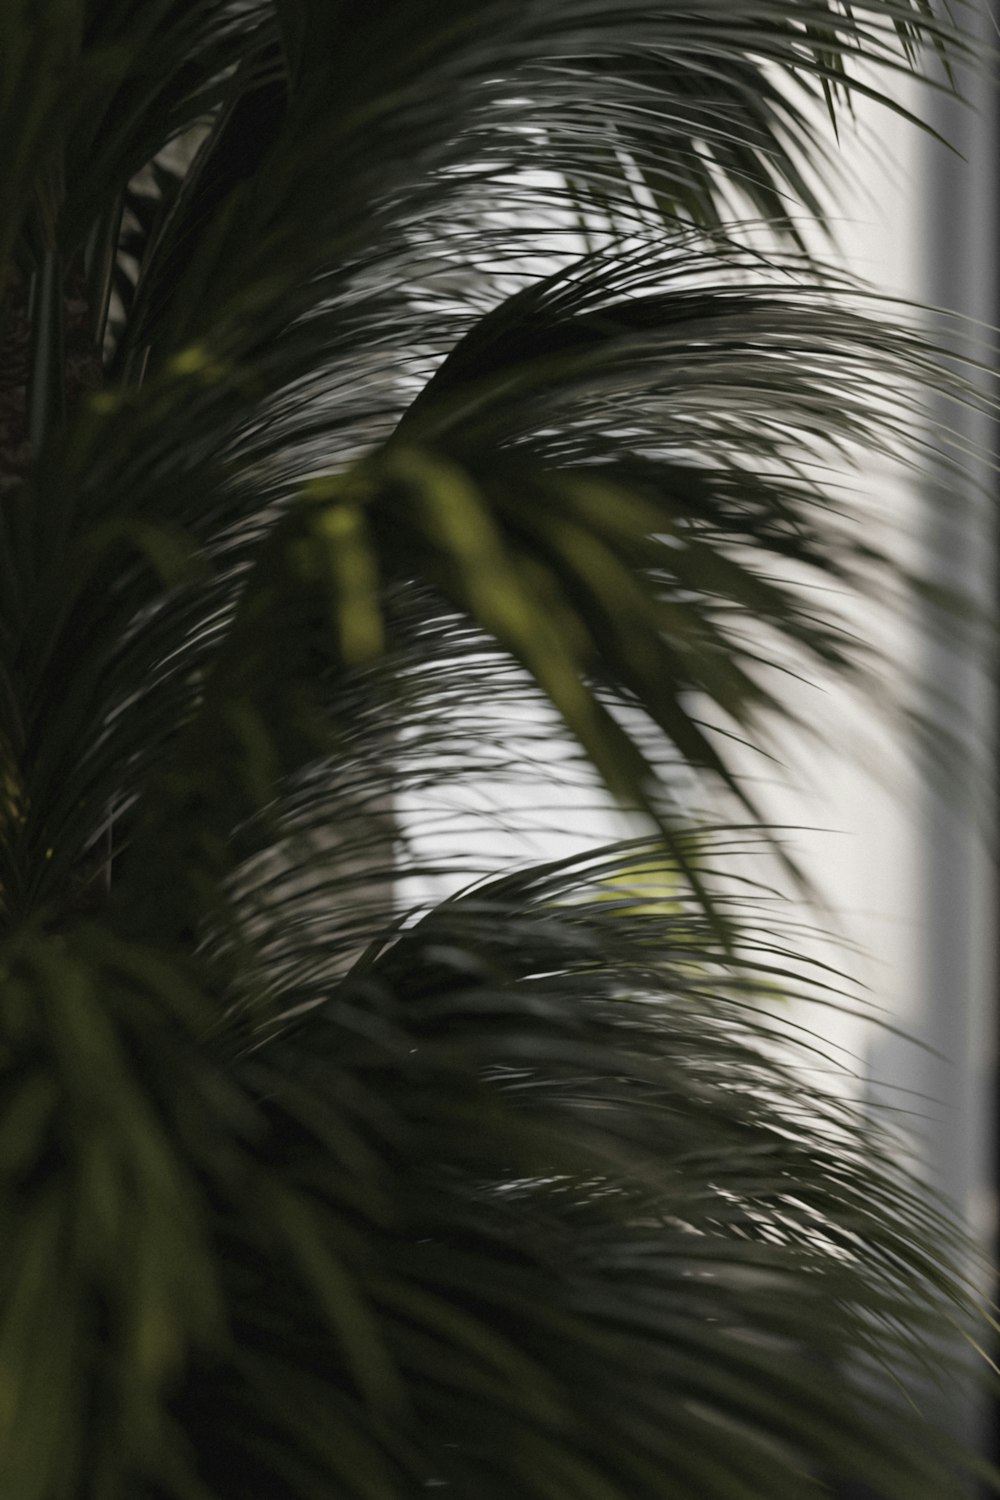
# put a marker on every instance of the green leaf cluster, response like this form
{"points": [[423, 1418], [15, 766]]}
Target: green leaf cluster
{"points": [[365, 372]]}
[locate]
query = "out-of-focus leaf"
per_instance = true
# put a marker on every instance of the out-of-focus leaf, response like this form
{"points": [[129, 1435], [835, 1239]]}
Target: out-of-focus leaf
{"points": [[304, 1193]]}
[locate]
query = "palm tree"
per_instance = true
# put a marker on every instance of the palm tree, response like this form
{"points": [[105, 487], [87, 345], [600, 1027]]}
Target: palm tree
{"points": [[364, 370]]}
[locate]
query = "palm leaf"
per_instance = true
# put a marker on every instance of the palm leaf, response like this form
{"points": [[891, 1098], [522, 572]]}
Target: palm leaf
{"points": [[321, 439], [487, 1215]]}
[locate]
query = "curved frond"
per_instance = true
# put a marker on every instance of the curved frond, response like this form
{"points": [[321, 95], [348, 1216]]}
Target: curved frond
{"points": [[367, 371], [529, 1199]]}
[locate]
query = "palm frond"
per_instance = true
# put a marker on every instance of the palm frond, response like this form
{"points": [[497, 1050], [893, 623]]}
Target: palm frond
{"points": [[611, 474], [366, 371], [532, 1198]]}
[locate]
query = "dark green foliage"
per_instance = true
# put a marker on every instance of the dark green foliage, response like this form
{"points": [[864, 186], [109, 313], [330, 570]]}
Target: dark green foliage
{"points": [[366, 369]]}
